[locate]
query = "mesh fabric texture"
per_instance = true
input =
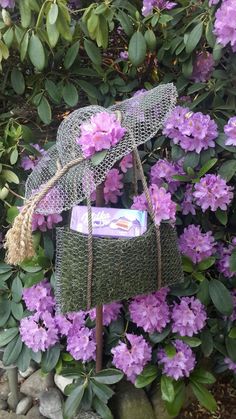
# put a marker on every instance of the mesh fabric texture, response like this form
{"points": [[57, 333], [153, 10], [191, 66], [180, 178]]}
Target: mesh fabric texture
{"points": [[142, 116], [122, 268]]}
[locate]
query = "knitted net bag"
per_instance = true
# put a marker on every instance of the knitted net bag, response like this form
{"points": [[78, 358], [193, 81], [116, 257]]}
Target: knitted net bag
{"points": [[92, 270]]}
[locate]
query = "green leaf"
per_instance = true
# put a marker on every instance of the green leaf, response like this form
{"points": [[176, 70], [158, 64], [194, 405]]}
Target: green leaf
{"points": [[150, 39], [7, 335], [53, 34], [24, 46], [109, 376], [8, 37], [10, 176], [147, 376], [203, 293], [192, 342], [17, 310], [210, 37], [53, 14], [102, 391], [16, 289], [221, 141], [70, 94], [194, 38], [232, 261], [207, 343], [5, 268], [137, 49], [125, 22], [187, 68], [53, 91], [221, 297], [71, 55], [232, 333], [5, 310], [97, 158], [222, 216], [44, 111], [89, 88], [191, 160], [204, 397], [17, 81], [36, 52], [227, 169], [24, 359], [102, 409], [12, 351], [33, 278], [231, 348], [175, 407], [167, 389], [50, 358], [73, 401], [202, 376], [14, 156], [93, 52], [206, 264], [25, 13], [206, 167], [159, 337]]}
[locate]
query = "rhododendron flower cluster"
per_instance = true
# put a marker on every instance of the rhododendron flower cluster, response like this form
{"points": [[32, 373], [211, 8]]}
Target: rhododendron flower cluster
{"points": [[223, 263], [189, 316], [196, 245], [126, 163], [181, 364], [163, 206], [225, 24], [45, 222], [110, 313], [151, 312], [192, 131], [212, 192], [39, 332], [131, 357], [82, 345], [230, 131], [163, 171], [30, 162], [203, 66], [39, 297], [101, 132], [7, 3], [187, 205], [149, 5], [113, 186]]}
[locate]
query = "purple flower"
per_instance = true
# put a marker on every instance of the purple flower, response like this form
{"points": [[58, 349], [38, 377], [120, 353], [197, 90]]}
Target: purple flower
{"points": [[151, 312], [192, 131], [163, 171], [7, 3], [187, 205], [39, 297], [230, 131], [132, 357], [181, 364], [223, 263], [126, 163], [124, 55], [203, 66], [101, 132], [225, 24], [63, 324], [189, 316], [110, 313], [196, 245], [39, 332], [82, 345], [149, 5], [44, 223], [113, 186], [212, 192], [30, 162], [164, 208], [230, 364]]}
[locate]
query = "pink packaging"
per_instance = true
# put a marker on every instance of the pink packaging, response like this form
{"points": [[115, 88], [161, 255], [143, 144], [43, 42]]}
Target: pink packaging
{"points": [[110, 222]]}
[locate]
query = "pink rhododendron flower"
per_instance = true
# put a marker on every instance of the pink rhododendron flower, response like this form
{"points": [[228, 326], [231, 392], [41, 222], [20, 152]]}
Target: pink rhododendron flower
{"points": [[181, 364], [126, 163], [30, 162], [187, 205], [39, 332], [131, 358], [39, 297], [163, 171], [101, 132], [110, 313], [189, 316], [196, 245], [45, 222], [82, 345], [203, 67], [225, 24], [212, 192], [149, 5], [151, 312], [113, 186], [230, 131]]}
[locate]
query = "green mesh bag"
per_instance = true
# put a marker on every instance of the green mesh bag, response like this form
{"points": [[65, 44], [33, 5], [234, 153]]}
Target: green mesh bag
{"points": [[122, 268]]}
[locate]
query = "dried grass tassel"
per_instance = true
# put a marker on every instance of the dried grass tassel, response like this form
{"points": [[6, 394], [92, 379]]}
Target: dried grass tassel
{"points": [[19, 240]]}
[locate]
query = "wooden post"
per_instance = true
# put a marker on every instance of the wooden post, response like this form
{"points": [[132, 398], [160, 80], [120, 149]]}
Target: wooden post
{"points": [[99, 309]]}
